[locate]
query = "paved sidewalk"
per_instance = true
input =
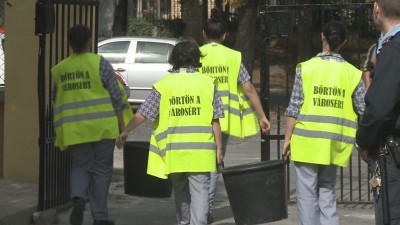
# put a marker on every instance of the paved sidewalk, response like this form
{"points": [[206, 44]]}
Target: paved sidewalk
{"points": [[19, 199], [132, 210], [18, 202]]}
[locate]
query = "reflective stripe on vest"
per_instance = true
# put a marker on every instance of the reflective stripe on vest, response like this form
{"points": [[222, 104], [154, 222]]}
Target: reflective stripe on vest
{"points": [[325, 129], [193, 146], [325, 134], [183, 143], [61, 117], [82, 104], [234, 97], [223, 64], [184, 130]]}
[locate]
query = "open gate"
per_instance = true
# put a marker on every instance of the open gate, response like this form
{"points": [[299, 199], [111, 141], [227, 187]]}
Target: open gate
{"points": [[53, 20], [290, 32]]}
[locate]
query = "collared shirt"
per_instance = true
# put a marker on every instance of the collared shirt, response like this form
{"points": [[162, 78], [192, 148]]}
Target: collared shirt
{"points": [[109, 81], [383, 39], [150, 108], [297, 97]]}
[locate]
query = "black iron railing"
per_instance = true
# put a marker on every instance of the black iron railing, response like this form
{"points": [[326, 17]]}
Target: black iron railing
{"points": [[53, 20], [290, 33]]}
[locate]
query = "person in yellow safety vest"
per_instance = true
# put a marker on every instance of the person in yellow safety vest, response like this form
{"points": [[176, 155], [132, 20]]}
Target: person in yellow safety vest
{"points": [[87, 119], [237, 92], [186, 142], [321, 122]]}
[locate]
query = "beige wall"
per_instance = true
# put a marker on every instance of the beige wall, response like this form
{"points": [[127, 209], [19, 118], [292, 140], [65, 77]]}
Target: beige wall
{"points": [[21, 129]]}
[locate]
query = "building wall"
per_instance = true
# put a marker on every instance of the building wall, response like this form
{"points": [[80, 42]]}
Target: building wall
{"points": [[21, 129]]}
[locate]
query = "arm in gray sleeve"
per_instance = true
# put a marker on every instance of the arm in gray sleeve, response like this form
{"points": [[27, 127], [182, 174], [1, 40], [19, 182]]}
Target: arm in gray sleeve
{"points": [[358, 98], [217, 105], [150, 108], [110, 83], [244, 75], [297, 97]]}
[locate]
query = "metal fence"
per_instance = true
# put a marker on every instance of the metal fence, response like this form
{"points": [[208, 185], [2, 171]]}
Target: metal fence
{"points": [[2, 40], [172, 9], [290, 33], [53, 20]]}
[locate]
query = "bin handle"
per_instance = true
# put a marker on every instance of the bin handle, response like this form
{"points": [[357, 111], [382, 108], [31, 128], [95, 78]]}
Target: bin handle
{"points": [[286, 159], [220, 166]]}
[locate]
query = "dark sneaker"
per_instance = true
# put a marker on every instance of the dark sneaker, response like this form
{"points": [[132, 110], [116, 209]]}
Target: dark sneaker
{"points": [[103, 222], [210, 219], [76, 217]]}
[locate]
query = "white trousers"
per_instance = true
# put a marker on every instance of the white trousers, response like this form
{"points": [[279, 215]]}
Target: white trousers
{"points": [[191, 197], [316, 202]]}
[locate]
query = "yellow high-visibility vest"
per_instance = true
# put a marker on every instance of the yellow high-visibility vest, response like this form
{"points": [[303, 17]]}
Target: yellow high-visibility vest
{"points": [[223, 64], [183, 139], [325, 128], [82, 111]]}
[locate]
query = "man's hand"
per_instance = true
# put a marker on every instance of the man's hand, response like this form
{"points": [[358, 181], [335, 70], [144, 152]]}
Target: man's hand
{"points": [[220, 157], [286, 148], [121, 139], [265, 125], [365, 156]]}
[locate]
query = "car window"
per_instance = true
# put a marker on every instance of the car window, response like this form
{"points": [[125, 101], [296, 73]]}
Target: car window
{"points": [[152, 52], [114, 52]]}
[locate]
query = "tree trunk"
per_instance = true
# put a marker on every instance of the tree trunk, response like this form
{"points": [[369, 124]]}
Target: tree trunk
{"points": [[192, 16], [106, 18], [305, 32], [121, 18], [246, 34]]}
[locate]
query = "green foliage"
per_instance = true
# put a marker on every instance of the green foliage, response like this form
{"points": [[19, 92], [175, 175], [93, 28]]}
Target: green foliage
{"points": [[174, 28], [156, 28], [140, 27]]}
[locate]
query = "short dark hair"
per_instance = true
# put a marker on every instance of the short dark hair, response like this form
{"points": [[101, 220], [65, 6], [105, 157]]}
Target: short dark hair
{"points": [[390, 8], [78, 37], [184, 54], [215, 27], [335, 33]]}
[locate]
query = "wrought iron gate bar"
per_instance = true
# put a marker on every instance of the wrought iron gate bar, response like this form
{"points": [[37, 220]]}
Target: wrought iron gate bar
{"points": [[276, 136], [287, 36], [94, 3], [277, 8], [54, 164]]}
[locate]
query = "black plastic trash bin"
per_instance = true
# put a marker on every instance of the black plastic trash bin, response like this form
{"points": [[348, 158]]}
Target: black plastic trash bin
{"points": [[137, 181], [257, 192]]}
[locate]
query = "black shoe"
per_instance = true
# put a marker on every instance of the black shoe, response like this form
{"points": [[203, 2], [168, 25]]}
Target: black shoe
{"points": [[76, 217], [103, 222]]}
